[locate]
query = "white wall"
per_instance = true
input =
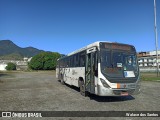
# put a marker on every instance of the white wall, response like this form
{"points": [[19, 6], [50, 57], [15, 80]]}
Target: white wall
{"points": [[153, 52], [3, 66]]}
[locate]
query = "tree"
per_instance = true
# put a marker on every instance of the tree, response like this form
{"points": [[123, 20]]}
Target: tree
{"points": [[11, 66], [44, 61]]}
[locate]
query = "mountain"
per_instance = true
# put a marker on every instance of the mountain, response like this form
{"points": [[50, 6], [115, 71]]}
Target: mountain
{"points": [[10, 50]]}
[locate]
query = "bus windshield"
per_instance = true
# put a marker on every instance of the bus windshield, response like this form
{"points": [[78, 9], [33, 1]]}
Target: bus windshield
{"points": [[118, 64]]}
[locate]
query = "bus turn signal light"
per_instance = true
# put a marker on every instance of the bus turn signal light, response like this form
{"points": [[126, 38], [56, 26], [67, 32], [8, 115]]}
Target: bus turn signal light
{"points": [[118, 85]]}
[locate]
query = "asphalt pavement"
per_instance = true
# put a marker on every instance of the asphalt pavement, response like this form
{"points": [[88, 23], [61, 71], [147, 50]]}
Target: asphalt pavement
{"points": [[41, 91]]}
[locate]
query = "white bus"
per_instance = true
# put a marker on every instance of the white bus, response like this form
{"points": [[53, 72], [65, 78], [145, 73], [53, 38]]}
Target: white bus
{"points": [[101, 68]]}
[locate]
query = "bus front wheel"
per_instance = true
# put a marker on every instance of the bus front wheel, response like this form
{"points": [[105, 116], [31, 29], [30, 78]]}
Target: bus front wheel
{"points": [[82, 89]]}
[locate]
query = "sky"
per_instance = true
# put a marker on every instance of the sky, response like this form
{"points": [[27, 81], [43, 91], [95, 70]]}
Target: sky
{"points": [[66, 25]]}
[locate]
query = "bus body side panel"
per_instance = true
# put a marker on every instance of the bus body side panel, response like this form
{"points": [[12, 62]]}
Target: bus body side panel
{"points": [[77, 73], [72, 75]]}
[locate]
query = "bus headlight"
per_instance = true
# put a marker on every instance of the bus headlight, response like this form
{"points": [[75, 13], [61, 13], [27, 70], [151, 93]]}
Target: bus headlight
{"points": [[104, 83]]}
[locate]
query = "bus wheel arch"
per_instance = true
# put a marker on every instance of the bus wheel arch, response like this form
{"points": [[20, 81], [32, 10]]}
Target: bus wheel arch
{"points": [[80, 79]]}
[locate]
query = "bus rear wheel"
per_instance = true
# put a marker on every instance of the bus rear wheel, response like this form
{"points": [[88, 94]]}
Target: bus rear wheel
{"points": [[61, 80]]}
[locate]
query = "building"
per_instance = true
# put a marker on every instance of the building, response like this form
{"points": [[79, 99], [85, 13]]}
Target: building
{"points": [[20, 64], [147, 60]]}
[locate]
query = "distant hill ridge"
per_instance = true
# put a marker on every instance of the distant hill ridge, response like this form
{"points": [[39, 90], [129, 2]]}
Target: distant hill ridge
{"points": [[10, 50]]}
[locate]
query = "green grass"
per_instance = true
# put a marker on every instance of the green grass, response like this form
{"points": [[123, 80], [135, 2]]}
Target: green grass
{"points": [[149, 76]]}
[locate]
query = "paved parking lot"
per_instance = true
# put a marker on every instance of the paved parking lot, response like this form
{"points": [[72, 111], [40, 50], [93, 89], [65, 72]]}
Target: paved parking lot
{"points": [[40, 91]]}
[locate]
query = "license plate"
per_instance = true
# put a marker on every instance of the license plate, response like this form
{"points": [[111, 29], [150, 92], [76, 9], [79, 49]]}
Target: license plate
{"points": [[124, 93], [131, 85]]}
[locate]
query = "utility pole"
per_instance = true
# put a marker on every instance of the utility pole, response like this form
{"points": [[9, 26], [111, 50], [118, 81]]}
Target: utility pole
{"points": [[156, 37]]}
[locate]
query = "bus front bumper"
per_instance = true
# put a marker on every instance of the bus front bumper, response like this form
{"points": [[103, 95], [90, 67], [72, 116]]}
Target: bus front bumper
{"points": [[102, 91]]}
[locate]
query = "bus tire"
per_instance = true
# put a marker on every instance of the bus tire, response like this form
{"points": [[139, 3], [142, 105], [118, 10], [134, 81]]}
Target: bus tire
{"points": [[62, 80], [82, 89]]}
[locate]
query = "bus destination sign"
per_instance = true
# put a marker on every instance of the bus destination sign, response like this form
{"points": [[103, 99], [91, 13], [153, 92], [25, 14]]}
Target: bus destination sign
{"points": [[116, 46]]}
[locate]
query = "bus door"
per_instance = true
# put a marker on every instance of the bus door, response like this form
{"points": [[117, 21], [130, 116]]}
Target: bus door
{"points": [[90, 70]]}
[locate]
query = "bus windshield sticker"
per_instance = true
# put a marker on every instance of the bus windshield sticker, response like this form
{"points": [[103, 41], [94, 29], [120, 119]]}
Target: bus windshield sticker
{"points": [[119, 64], [129, 74]]}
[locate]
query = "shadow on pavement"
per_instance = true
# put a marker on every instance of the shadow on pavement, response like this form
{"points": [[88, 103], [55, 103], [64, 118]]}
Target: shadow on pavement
{"points": [[104, 98], [110, 98], [2, 74]]}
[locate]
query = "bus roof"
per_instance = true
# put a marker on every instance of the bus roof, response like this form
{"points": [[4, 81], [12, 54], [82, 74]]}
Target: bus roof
{"points": [[88, 46]]}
